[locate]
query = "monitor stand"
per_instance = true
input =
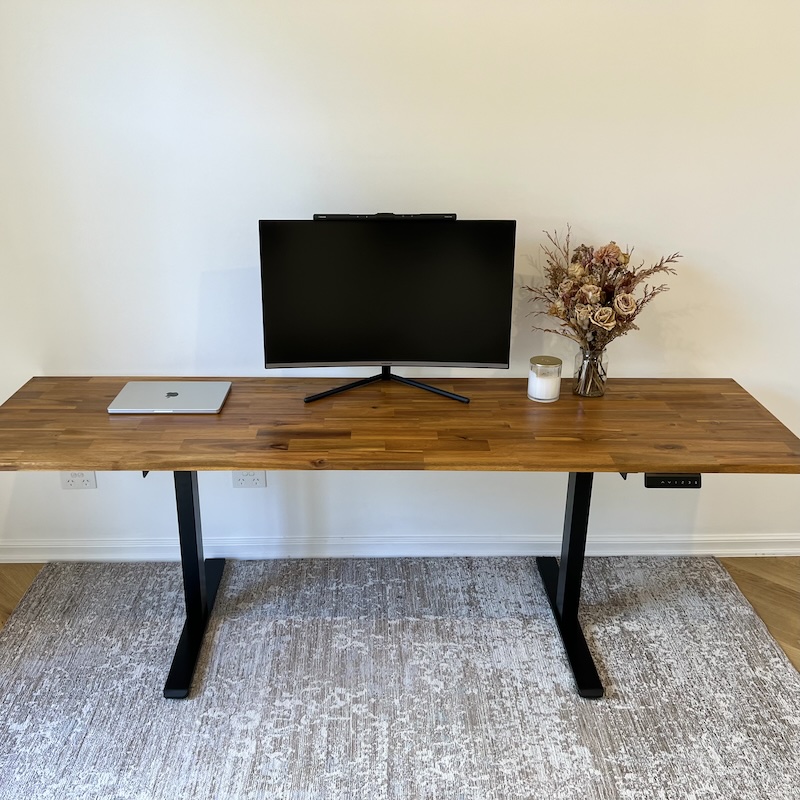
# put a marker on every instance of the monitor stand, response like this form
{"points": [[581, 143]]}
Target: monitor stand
{"points": [[386, 375]]}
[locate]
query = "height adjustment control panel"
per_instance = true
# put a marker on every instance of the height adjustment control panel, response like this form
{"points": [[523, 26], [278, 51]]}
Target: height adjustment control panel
{"points": [[672, 480]]}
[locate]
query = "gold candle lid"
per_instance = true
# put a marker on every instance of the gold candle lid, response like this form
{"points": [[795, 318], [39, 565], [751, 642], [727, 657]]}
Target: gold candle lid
{"points": [[546, 361]]}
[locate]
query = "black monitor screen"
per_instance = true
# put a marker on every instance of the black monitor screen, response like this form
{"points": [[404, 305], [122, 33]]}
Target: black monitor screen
{"points": [[372, 291]]}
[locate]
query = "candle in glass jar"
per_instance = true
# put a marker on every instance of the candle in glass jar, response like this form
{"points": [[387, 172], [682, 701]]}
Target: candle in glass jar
{"points": [[544, 380]]}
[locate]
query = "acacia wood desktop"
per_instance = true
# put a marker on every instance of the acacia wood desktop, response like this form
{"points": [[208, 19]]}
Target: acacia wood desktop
{"points": [[640, 425]]}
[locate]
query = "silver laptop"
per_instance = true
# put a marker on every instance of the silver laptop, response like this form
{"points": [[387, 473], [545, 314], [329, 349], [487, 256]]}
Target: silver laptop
{"points": [[170, 397]]}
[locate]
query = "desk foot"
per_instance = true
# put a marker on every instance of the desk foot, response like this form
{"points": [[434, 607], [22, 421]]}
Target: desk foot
{"points": [[180, 675], [580, 659]]}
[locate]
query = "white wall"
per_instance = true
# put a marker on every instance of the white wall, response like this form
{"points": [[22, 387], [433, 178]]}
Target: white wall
{"points": [[141, 142]]}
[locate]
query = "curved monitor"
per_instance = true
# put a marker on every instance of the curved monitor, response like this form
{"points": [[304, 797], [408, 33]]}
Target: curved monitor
{"points": [[405, 291]]}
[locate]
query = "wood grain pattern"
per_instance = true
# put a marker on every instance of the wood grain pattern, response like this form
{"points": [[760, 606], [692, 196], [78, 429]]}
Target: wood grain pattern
{"points": [[14, 582], [655, 425], [772, 585]]}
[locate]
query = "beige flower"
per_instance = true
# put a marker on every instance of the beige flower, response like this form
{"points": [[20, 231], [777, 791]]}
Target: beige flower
{"points": [[576, 271], [604, 318], [591, 294], [625, 304], [558, 309], [583, 315], [566, 286]]}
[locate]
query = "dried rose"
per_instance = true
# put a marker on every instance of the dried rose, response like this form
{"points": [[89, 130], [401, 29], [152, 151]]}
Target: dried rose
{"points": [[566, 286], [625, 304], [591, 293], [604, 318], [576, 271]]}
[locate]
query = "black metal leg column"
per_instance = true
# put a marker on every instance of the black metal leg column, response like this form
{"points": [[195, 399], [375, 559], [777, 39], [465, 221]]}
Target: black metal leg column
{"points": [[562, 581], [201, 580]]}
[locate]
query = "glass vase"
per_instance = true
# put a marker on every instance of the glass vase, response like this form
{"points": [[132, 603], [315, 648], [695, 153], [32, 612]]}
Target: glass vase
{"points": [[591, 370]]}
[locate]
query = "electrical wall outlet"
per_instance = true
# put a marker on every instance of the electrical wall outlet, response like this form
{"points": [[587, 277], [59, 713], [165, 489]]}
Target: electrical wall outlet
{"points": [[249, 479], [78, 480]]}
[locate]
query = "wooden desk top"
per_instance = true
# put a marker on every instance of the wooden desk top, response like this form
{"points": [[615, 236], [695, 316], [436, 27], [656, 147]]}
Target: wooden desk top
{"points": [[640, 425]]}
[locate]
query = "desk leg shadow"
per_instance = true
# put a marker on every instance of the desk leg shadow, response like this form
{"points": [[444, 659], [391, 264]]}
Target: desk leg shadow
{"points": [[201, 579], [562, 582]]}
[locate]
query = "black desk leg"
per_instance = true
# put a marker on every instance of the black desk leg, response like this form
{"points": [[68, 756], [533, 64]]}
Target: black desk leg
{"points": [[201, 580], [562, 582]]}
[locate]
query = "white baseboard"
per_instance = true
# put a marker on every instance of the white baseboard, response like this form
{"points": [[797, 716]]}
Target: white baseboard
{"points": [[245, 548]]}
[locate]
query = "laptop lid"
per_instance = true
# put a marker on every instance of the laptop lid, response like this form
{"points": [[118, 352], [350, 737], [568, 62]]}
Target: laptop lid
{"points": [[170, 397]]}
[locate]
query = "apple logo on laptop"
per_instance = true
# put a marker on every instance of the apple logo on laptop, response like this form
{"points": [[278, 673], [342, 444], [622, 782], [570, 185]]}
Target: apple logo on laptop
{"points": [[172, 394]]}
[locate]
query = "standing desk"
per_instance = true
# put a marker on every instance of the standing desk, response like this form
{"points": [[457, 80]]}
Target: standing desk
{"points": [[640, 425]]}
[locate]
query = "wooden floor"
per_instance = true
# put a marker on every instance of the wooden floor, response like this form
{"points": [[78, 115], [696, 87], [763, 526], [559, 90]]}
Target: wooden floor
{"points": [[14, 582], [772, 585]]}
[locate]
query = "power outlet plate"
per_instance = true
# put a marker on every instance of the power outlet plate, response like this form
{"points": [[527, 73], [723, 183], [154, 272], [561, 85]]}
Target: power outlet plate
{"points": [[78, 480], [249, 479]]}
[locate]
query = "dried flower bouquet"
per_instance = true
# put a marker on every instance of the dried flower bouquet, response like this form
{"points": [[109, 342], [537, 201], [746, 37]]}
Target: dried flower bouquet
{"points": [[592, 292]]}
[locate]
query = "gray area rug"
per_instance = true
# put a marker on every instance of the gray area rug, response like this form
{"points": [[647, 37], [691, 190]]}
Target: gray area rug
{"points": [[395, 678]]}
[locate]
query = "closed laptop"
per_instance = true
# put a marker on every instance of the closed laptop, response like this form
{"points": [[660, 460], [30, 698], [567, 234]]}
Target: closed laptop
{"points": [[170, 397]]}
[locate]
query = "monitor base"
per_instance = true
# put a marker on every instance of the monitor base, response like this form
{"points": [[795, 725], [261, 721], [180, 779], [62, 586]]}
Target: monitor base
{"points": [[386, 375]]}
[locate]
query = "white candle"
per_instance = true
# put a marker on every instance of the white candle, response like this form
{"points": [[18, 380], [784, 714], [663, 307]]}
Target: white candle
{"points": [[545, 390], [544, 380]]}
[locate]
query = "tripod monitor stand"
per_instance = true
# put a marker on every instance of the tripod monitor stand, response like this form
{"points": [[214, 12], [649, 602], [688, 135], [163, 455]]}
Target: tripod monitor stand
{"points": [[386, 375]]}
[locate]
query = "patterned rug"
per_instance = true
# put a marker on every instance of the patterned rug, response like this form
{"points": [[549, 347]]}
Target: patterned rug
{"points": [[395, 678]]}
